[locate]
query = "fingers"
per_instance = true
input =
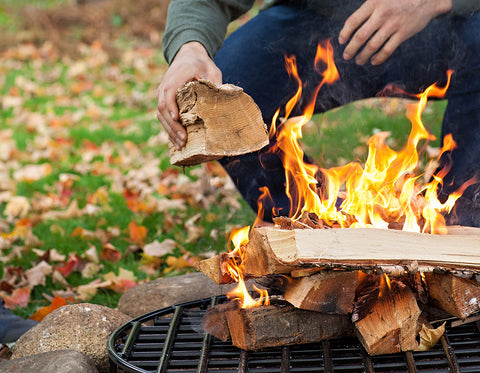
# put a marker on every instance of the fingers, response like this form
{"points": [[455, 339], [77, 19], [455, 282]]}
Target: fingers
{"points": [[387, 49], [354, 22], [167, 114]]}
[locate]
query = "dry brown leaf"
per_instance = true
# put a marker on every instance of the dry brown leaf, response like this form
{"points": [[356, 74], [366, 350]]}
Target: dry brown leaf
{"points": [[429, 337]]}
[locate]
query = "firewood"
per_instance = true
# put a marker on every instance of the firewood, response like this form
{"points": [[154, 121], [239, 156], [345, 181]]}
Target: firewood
{"points": [[272, 250], [214, 321], [460, 297], [327, 292], [220, 121], [271, 326], [392, 324], [215, 268]]}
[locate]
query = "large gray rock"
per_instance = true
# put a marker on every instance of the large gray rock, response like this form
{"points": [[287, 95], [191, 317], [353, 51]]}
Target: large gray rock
{"points": [[164, 292], [82, 327], [66, 361]]}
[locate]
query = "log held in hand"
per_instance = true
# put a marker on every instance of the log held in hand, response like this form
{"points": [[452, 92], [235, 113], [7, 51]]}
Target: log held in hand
{"points": [[220, 121]]}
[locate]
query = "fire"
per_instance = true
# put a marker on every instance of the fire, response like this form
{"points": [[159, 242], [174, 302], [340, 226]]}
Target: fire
{"points": [[383, 191], [236, 269]]}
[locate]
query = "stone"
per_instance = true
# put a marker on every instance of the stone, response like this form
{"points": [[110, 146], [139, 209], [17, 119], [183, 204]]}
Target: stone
{"points": [[82, 327], [168, 291], [63, 361]]}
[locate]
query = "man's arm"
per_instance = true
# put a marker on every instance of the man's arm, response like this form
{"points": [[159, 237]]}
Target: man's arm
{"points": [[194, 32]]}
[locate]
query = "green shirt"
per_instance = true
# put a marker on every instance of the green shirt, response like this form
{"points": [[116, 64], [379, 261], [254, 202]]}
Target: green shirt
{"points": [[206, 21]]}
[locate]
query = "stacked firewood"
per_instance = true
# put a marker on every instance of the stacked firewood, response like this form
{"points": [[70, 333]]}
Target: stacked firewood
{"points": [[373, 283]]}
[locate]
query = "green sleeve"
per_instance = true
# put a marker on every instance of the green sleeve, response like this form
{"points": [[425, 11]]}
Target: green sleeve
{"points": [[204, 21], [465, 7]]}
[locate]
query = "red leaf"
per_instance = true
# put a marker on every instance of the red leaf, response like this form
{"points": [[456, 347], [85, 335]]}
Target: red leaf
{"points": [[57, 302], [19, 298]]}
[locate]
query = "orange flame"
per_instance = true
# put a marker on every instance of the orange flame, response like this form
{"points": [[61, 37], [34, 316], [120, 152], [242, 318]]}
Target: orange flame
{"points": [[236, 269], [385, 190]]}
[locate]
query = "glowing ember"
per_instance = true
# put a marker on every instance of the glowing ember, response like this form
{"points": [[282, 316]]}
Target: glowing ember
{"points": [[382, 192], [236, 269]]}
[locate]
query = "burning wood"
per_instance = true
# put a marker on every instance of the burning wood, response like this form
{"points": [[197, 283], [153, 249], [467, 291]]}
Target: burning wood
{"points": [[338, 273], [220, 121], [255, 328]]}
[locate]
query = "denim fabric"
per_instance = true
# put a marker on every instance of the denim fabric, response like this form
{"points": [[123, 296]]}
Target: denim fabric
{"points": [[253, 57]]}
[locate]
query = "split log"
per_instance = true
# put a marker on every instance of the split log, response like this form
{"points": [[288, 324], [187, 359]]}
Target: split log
{"points": [[215, 268], [460, 297], [327, 292], [272, 250], [392, 324], [271, 326], [214, 321], [220, 121]]}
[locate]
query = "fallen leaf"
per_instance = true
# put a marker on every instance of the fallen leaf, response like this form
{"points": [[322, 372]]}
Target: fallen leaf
{"points": [[110, 253], [57, 302], [33, 172], [137, 233], [37, 275], [429, 337], [158, 249], [17, 207], [19, 298], [121, 283]]}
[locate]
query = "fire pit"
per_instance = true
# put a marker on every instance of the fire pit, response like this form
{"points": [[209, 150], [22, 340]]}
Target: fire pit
{"points": [[172, 340]]}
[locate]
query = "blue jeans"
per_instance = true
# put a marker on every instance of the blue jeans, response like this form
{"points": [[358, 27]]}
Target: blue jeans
{"points": [[253, 58]]}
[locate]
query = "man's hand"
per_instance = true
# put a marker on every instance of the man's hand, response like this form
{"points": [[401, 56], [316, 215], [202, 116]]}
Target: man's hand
{"points": [[191, 62], [380, 26]]}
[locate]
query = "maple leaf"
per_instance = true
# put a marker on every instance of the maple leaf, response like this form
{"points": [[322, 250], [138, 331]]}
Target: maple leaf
{"points": [[137, 233], [57, 302], [19, 298]]}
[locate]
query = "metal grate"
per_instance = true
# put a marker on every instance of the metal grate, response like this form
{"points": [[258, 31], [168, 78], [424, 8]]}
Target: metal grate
{"points": [[171, 340]]}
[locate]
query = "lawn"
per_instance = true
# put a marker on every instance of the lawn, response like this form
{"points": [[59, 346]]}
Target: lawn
{"points": [[89, 201]]}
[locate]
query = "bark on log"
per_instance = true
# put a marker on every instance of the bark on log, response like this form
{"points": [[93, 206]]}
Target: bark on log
{"points": [[326, 292], [214, 321], [392, 324], [458, 296], [271, 326], [220, 121]]}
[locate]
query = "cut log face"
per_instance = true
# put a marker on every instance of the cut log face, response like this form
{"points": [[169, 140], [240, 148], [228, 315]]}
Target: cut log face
{"points": [[220, 121], [392, 324], [458, 296], [214, 321], [271, 326], [326, 292], [215, 268]]}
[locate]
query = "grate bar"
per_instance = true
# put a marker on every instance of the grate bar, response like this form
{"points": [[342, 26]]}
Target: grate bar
{"points": [[172, 331], [412, 368], [243, 365], [285, 366], [452, 359], [127, 348], [207, 339], [367, 361], [327, 357]]}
